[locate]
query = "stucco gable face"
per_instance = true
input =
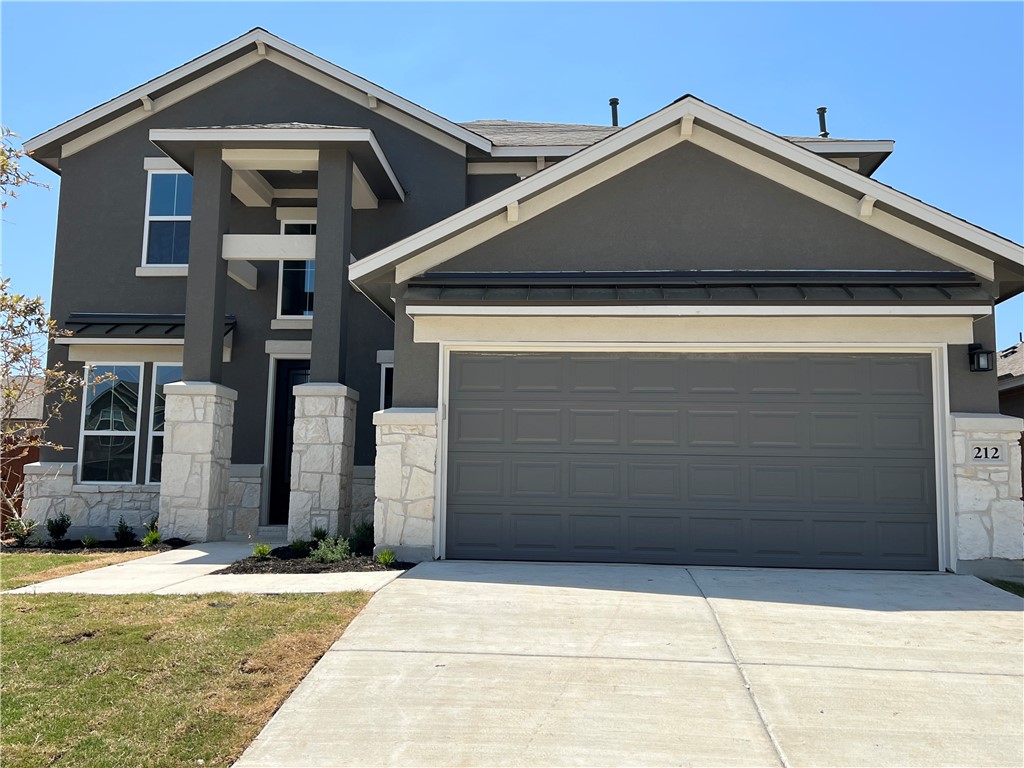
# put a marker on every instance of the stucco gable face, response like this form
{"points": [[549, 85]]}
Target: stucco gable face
{"points": [[687, 209]]}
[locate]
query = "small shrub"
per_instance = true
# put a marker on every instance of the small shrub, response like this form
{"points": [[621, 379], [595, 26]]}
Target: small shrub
{"points": [[89, 541], [319, 534], [385, 557], [300, 547], [331, 551], [362, 539], [21, 529], [58, 526], [152, 526], [151, 539], [124, 536], [261, 551]]}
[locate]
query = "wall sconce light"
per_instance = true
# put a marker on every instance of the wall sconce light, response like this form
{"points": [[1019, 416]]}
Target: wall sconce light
{"points": [[981, 359]]}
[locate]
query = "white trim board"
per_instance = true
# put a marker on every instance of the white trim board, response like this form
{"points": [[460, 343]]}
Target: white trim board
{"points": [[265, 46], [945, 514], [709, 310], [686, 120]]}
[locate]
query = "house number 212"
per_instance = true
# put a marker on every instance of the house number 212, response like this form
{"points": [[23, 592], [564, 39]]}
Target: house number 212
{"points": [[986, 453]]}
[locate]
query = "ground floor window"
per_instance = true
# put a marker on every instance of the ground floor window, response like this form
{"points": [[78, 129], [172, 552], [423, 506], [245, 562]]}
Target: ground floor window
{"points": [[163, 373], [110, 423]]}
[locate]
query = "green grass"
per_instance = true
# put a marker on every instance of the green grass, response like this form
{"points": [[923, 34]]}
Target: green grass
{"points": [[1013, 587], [18, 569], [101, 681]]}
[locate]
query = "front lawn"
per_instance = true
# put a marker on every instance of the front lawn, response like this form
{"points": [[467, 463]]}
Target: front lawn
{"points": [[1013, 587], [103, 681], [19, 568]]}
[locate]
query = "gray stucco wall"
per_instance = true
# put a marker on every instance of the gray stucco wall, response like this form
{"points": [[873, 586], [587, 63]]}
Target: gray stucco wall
{"points": [[686, 209], [481, 187], [102, 216], [973, 392]]}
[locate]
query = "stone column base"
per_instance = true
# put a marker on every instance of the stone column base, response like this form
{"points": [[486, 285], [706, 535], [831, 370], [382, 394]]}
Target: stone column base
{"points": [[323, 451], [404, 512], [199, 419], [987, 489]]}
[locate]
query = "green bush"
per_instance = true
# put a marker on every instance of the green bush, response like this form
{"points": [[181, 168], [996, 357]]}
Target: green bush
{"points": [[362, 539], [21, 529], [152, 526], [89, 541], [58, 526], [300, 547], [385, 557], [331, 551], [319, 534], [124, 536], [261, 551], [151, 539]]}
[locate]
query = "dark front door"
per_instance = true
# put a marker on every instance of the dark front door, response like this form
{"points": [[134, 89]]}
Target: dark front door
{"points": [[715, 459], [290, 373]]}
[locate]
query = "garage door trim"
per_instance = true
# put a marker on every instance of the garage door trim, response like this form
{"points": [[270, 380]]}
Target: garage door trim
{"points": [[946, 530]]}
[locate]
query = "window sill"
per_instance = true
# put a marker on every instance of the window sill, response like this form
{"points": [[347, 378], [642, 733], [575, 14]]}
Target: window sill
{"points": [[292, 324], [106, 487], [170, 270]]}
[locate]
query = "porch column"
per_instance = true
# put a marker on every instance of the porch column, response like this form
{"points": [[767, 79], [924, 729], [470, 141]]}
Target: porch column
{"points": [[199, 415], [323, 448]]}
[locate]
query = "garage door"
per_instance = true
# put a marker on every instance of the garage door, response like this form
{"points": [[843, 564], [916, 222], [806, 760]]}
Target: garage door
{"points": [[716, 459]]}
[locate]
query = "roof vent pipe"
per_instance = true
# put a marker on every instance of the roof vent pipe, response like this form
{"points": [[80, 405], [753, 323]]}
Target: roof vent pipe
{"points": [[821, 122], [614, 104]]}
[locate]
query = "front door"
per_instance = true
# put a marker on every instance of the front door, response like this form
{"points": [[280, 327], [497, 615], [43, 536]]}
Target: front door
{"points": [[288, 375]]}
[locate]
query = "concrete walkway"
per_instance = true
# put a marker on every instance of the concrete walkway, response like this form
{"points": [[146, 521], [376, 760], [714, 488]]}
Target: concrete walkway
{"points": [[188, 571], [474, 664]]}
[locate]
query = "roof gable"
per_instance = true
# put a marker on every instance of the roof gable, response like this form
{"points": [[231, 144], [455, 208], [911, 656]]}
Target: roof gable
{"points": [[254, 46], [689, 119]]}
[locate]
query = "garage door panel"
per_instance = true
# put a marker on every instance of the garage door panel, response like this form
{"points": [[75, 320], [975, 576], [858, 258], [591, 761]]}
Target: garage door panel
{"points": [[823, 460]]}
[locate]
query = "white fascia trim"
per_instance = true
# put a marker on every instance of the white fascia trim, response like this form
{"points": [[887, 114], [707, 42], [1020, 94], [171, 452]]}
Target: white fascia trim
{"points": [[846, 146], [661, 310], [249, 39], [647, 128]]}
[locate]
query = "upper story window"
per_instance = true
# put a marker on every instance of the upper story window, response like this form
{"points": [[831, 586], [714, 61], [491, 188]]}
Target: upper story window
{"points": [[295, 284], [168, 218]]}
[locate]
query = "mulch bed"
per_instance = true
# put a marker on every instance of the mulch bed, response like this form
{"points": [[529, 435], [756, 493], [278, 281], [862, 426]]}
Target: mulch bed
{"points": [[286, 560], [74, 547]]}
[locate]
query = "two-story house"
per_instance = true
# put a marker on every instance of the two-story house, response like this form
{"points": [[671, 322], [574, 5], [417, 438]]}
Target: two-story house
{"points": [[307, 300]]}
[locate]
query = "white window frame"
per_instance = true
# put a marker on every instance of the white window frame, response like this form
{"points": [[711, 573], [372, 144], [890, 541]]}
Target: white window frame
{"points": [[280, 276], [150, 173], [83, 433], [152, 412]]}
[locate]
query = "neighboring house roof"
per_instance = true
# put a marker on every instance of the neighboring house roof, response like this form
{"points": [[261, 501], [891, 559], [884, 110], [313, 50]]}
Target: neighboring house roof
{"points": [[509, 133], [1010, 367], [690, 119], [254, 46], [29, 405]]}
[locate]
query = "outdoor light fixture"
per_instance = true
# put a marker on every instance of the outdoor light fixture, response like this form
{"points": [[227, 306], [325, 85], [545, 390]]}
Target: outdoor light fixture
{"points": [[981, 359]]}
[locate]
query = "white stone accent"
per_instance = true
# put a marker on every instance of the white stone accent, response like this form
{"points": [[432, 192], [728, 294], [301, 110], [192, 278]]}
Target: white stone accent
{"points": [[95, 509], [403, 515], [194, 478], [987, 502], [323, 450], [245, 499]]}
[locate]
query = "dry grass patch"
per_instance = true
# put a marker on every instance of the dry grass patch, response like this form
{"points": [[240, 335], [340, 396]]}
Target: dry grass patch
{"points": [[154, 680], [19, 569]]}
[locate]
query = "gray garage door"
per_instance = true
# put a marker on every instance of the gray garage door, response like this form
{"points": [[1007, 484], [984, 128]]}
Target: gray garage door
{"points": [[719, 459]]}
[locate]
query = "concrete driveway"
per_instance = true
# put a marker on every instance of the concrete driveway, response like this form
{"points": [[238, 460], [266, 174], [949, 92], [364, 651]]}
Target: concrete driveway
{"points": [[492, 664]]}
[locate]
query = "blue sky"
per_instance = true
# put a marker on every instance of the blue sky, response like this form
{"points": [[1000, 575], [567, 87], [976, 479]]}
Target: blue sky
{"points": [[945, 80]]}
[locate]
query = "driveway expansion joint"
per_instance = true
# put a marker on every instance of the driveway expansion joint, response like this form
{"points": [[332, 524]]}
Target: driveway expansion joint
{"points": [[783, 761]]}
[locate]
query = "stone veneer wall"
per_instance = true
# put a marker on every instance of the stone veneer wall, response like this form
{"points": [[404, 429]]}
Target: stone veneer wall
{"points": [[363, 495], [323, 449], [245, 498], [989, 510], [198, 426], [94, 509], [403, 514]]}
